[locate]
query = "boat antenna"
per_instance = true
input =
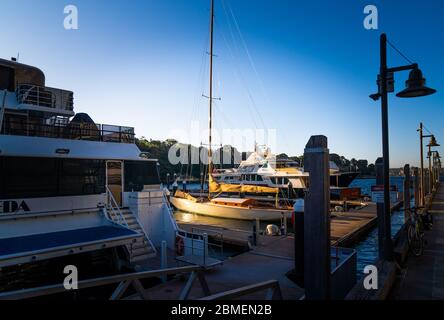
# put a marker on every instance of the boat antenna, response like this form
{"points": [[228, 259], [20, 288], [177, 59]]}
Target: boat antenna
{"points": [[210, 113]]}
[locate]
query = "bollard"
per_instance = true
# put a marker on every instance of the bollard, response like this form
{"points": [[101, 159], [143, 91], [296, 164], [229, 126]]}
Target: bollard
{"points": [[406, 192], [163, 259], [317, 248], [299, 242]]}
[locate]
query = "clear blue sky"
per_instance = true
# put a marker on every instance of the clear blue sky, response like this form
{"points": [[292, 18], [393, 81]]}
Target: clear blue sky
{"points": [[139, 63]]}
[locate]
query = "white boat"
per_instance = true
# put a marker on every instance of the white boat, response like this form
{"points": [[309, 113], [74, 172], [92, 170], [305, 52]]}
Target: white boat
{"points": [[262, 168], [70, 186]]}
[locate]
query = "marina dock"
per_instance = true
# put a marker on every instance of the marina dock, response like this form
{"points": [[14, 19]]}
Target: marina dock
{"points": [[347, 228], [423, 276]]}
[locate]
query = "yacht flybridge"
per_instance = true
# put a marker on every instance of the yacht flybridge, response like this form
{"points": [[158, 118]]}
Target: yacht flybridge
{"points": [[69, 185], [263, 168]]}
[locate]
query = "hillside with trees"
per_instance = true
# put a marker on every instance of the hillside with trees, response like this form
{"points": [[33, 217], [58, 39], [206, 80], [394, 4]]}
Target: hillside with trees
{"points": [[161, 149]]}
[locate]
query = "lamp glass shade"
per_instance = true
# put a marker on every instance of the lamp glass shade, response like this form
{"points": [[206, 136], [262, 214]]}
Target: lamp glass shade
{"points": [[433, 142], [415, 86]]}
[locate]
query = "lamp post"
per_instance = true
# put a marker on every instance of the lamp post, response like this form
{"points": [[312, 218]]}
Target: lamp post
{"points": [[421, 137], [415, 87], [435, 168], [431, 144]]}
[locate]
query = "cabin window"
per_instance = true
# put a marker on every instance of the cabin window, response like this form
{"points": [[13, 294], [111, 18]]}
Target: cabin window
{"points": [[7, 81], [79, 177], [26, 177], [259, 178], [139, 174]]}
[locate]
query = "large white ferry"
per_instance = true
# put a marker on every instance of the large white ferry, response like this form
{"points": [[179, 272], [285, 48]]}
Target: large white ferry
{"points": [[69, 185]]}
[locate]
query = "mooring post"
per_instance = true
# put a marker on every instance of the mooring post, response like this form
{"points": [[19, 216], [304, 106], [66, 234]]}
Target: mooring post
{"points": [[416, 185], [163, 259], [317, 248], [299, 242], [407, 181], [384, 230]]}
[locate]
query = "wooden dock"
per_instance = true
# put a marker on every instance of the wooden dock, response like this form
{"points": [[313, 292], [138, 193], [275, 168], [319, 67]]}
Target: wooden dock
{"points": [[346, 228], [423, 276]]}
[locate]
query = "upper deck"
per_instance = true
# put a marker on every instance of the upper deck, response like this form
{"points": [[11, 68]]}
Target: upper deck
{"points": [[29, 108]]}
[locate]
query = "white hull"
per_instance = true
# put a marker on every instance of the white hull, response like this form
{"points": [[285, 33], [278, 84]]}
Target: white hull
{"points": [[228, 212]]}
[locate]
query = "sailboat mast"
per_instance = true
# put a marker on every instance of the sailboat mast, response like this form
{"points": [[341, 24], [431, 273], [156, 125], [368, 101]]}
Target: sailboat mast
{"points": [[210, 113]]}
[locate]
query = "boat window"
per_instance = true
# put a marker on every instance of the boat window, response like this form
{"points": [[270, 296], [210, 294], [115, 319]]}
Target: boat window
{"points": [[80, 177], [259, 178], [139, 174], [26, 177], [7, 78]]}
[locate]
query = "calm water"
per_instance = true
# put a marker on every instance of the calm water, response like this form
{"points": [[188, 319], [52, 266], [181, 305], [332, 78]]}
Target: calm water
{"points": [[366, 249]]}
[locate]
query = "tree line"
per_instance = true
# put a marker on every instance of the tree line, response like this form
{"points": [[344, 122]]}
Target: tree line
{"points": [[160, 149]]}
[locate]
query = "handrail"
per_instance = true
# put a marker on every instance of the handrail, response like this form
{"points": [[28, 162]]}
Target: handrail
{"points": [[84, 284], [115, 209], [274, 291]]}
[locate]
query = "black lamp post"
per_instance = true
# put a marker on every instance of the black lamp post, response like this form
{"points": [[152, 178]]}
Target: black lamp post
{"points": [[431, 144], [415, 87]]}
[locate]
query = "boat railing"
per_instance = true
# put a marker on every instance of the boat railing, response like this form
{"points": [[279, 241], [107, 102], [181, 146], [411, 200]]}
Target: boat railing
{"points": [[47, 97], [72, 131], [215, 239], [113, 209]]}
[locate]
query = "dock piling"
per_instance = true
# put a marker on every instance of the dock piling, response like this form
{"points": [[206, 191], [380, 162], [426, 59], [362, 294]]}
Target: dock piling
{"points": [[317, 220], [416, 186], [407, 181], [384, 222]]}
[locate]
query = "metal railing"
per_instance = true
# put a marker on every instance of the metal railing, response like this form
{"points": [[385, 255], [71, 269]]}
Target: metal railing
{"points": [[211, 234], [71, 131], [114, 211], [124, 280], [272, 286], [45, 97]]}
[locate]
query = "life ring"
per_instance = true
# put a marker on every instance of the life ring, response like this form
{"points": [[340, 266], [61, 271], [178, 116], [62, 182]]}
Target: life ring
{"points": [[179, 245]]}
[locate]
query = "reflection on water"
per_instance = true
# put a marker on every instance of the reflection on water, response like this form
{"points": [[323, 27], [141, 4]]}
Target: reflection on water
{"points": [[367, 249]]}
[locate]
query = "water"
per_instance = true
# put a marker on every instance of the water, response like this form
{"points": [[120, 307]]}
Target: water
{"points": [[367, 249]]}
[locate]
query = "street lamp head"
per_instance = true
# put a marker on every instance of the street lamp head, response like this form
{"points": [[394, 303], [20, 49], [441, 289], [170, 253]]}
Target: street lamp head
{"points": [[375, 96], [433, 142], [415, 86]]}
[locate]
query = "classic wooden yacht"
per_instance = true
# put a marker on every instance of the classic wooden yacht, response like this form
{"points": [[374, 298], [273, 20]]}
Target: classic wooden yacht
{"points": [[70, 186], [228, 207]]}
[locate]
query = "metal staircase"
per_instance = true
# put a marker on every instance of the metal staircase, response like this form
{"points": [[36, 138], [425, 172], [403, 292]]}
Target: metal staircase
{"points": [[140, 250]]}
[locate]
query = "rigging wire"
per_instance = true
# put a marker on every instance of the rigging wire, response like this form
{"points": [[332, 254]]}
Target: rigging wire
{"points": [[250, 58], [399, 52], [239, 76]]}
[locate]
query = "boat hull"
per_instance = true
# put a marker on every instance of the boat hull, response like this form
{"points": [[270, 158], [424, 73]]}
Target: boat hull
{"points": [[228, 212]]}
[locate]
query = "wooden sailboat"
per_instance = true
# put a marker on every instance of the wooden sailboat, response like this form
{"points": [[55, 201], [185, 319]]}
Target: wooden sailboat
{"points": [[227, 207]]}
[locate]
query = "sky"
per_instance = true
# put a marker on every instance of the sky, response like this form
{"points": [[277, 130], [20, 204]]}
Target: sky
{"points": [[297, 68]]}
